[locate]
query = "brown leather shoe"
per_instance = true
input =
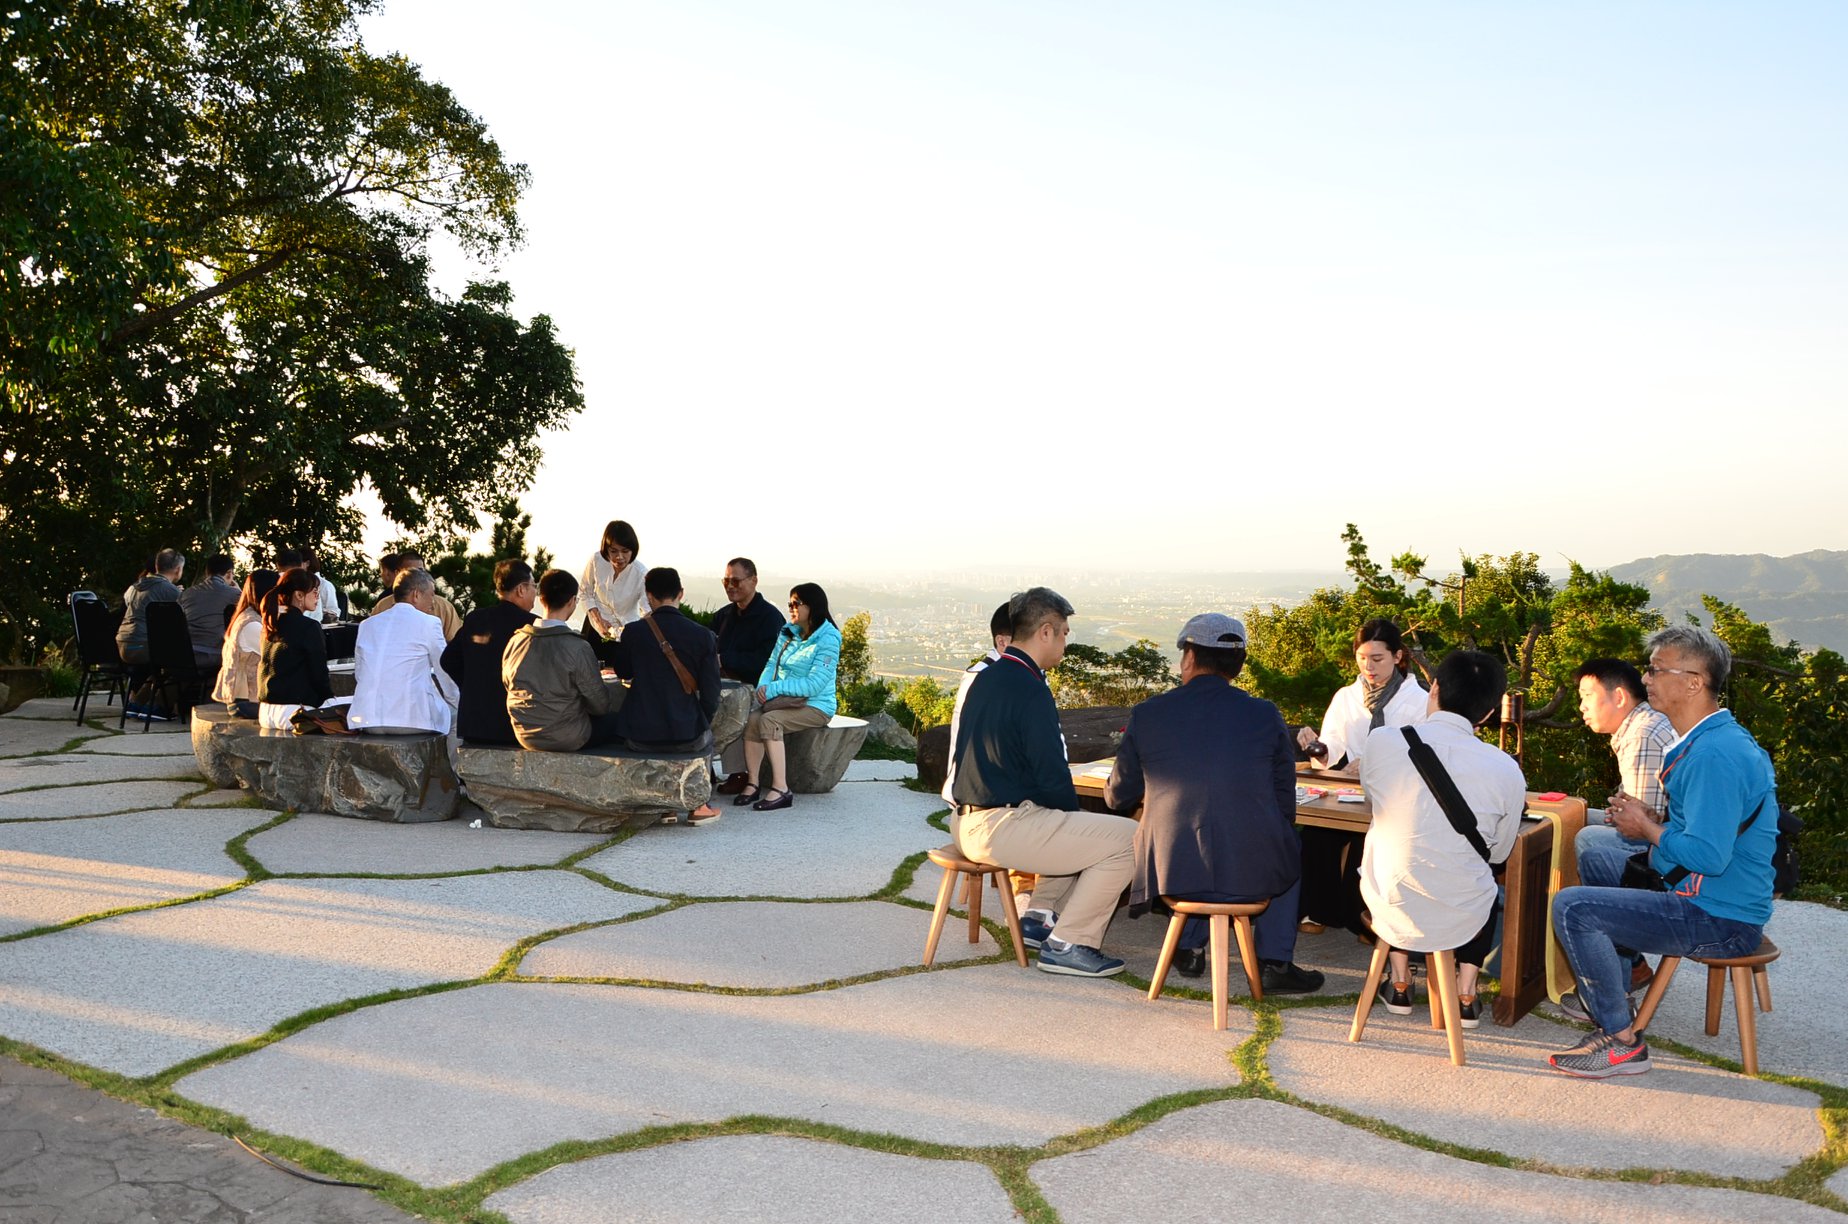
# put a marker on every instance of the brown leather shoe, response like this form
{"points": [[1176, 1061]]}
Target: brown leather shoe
{"points": [[733, 784]]}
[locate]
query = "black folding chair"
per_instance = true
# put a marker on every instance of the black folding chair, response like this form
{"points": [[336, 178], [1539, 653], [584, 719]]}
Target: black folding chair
{"points": [[172, 666], [96, 652]]}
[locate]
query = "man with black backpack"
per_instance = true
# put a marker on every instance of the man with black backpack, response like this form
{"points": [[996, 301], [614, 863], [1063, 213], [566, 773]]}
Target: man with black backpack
{"points": [[1425, 874], [1704, 889]]}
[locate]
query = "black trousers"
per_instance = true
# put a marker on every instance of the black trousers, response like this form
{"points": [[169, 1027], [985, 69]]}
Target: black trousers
{"points": [[1477, 947], [1331, 878]]}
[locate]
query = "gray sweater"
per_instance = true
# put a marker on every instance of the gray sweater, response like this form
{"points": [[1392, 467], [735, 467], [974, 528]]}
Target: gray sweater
{"points": [[554, 687], [132, 637]]}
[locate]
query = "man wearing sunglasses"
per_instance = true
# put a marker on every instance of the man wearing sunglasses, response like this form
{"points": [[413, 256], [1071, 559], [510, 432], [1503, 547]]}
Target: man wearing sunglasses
{"points": [[746, 628]]}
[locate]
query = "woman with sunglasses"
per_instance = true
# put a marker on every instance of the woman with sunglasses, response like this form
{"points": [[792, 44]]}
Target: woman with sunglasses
{"points": [[794, 693]]}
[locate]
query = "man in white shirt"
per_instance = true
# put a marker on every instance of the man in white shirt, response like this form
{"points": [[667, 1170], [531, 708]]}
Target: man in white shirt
{"points": [[399, 685], [1426, 887]]}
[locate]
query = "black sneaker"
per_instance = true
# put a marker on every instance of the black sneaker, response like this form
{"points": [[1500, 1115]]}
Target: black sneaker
{"points": [[1285, 978], [1471, 1011], [1190, 962], [1397, 997]]}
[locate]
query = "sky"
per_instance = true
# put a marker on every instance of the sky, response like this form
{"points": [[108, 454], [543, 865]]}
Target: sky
{"points": [[860, 288]]}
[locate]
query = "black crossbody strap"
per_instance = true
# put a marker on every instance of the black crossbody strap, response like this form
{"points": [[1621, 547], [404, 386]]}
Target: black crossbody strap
{"points": [[1448, 796], [1681, 873]]}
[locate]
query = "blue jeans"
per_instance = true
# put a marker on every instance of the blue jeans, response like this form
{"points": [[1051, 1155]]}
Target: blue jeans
{"points": [[1273, 931], [1591, 921], [1597, 840]]}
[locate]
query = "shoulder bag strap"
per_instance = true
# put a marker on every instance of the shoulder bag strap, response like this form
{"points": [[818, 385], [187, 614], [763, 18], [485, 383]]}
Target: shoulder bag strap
{"points": [[1681, 873], [687, 683], [1456, 808]]}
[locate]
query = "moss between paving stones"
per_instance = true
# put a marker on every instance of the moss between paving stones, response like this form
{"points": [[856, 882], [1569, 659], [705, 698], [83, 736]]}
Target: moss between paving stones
{"points": [[462, 1202]]}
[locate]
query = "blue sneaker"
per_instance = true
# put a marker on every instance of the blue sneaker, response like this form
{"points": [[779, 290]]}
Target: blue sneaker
{"points": [[1078, 961], [1034, 932]]}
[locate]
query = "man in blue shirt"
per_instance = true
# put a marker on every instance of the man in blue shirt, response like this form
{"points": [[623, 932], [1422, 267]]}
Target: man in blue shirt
{"points": [[1014, 801], [1712, 846]]}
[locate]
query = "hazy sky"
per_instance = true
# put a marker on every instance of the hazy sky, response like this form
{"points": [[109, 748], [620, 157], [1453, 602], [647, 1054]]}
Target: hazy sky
{"points": [[860, 286]]}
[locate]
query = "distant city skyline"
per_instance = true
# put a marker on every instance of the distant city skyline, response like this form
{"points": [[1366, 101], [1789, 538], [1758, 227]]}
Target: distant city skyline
{"points": [[1184, 286]]}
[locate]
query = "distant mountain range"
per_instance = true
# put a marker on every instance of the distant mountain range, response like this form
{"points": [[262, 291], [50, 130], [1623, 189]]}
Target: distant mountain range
{"points": [[1803, 597]]}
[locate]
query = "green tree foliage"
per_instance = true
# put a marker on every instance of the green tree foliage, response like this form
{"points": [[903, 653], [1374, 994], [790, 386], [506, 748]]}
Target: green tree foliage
{"points": [[219, 319], [467, 578], [1088, 676], [856, 665], [921, 703]]}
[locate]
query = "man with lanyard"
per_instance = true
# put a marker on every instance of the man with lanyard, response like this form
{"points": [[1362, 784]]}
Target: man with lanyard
{"points": [[1015, 805], [1712, 849]]}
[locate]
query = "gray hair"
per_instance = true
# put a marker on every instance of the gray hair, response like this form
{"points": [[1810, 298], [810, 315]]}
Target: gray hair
{"points": [[1701, 645], [1028, 609], [169, 559], [409, 581]]}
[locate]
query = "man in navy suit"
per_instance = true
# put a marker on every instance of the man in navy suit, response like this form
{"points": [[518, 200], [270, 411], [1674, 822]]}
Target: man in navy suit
{"points": [[1214, 769]]}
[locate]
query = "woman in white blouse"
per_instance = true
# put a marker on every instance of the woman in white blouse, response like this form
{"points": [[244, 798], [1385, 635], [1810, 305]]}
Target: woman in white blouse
{"points": [[610, 589], [236, 685], [1384, 694]]}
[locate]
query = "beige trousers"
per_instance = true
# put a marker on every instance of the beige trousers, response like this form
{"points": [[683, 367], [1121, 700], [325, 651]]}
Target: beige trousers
{"points": [[1083, 860]]}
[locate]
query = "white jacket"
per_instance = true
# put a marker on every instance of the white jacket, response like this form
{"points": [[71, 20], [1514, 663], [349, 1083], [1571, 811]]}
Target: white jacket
{"points": [[1345, 726], [398, 679]]}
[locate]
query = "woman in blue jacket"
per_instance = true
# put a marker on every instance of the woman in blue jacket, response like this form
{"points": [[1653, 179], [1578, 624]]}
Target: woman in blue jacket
{"points": [[794, 693]]}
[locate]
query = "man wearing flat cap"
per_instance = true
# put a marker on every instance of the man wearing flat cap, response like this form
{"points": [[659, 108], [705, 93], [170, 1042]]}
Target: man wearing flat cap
{"points": [[1215, 771]]}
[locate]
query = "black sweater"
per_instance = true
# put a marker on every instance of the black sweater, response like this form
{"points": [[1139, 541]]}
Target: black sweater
{"points": [[293, 670], [473, 661], [1009, 748], [746, 639]]}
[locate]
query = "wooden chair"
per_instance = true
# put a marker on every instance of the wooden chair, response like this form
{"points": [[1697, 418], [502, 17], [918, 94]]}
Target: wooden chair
{"points": [[1219, 918], [1748, 978], [955, 868], [1440, 990]]}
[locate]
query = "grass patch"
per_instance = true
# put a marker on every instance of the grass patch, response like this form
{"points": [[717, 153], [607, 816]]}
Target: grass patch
{"points": [[87, 919], [872, 750], [237, 848]]}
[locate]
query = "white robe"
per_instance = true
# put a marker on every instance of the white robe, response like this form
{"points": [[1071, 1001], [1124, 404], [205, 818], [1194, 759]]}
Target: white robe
{"points": [[1345, 725], [398, 680]]}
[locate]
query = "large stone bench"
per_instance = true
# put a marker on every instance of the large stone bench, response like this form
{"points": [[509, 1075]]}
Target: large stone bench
{"points": [[403, 778], [818, 759], [600, 791]]}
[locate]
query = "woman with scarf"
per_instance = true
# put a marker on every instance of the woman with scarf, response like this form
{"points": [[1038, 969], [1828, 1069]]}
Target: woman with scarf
{"points": [[1384, 695]]}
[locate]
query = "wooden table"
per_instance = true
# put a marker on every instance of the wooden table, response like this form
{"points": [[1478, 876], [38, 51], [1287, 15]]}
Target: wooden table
{"points": [[1530, 876]]}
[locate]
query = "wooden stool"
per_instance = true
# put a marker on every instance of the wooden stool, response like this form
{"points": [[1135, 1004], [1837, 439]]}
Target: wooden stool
{"points": [[1219, 917], [1440, 991], [956, 867], [1748, 977]]}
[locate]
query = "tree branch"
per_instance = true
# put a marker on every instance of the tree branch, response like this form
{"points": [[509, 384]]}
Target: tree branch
{"points": [[150, 319]]}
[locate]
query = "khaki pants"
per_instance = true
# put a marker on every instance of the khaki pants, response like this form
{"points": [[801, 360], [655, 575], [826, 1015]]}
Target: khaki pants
{"points": [[1083, 859]]}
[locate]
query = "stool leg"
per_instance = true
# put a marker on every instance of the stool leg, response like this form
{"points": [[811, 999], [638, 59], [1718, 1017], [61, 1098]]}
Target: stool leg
{"points": [[1368, 990], [948, 888], [1221, 955], [1162, 962], [1658, 986], [969, 885], [1748, 1019], [1012, 914], [1762, 980], [1716, 997], [1444, 972], [1433, 996], [975, 909], [1248, 952]]}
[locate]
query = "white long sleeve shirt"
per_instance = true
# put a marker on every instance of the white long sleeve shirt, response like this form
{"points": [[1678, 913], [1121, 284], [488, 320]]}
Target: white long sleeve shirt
{"points": [[1345, 725], [619, 597], [1425, 886], [398, 678]]}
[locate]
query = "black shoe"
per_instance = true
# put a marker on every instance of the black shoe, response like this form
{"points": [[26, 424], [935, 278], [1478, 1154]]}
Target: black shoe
{"points": [[782, 800], [733, 783], [745, 799], [1284, 978], [1190, 962]]}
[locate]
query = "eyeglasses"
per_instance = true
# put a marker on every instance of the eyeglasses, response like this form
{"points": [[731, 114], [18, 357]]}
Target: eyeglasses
{"points": [[796, 603], [728, 580], [1651, 669]]}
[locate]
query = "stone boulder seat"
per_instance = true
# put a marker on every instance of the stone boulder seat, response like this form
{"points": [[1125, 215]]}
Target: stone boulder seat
{"points": [[601, 790], [401, 778], [817, 759]]}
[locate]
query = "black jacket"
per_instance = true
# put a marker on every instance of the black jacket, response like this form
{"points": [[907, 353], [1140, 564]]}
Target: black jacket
{"points": [[1009, 748], [746, 639], [1215, 771], [658, 711], [293, 670], [473, 661]]}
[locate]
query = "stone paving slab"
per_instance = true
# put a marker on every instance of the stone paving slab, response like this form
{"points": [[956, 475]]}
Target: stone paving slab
{"points": [[959, 1056], [1802, 1034], [76, 769], [71, 1155], [54, 708], [220, 798], [842, 844], [105, 799], [880, 771], [331, 844], [133, 743], [144, 991], [54, 871], [1699, 1118], [755, 944], [1838, 1185], [20, 738], [768, 1179], [1241, 1160]]}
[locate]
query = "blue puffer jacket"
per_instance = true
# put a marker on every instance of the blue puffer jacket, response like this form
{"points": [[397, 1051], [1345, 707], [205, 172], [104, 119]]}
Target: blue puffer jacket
{"points": [[804, 667]]}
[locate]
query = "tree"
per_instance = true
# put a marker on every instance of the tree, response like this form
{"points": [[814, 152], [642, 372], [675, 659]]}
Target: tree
{"points": [[856, 663], [1088, 676], [219, 319], [467, 578]]}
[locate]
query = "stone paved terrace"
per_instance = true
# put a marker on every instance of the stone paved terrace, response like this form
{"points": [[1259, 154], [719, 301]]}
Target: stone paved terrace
{"points": [[731, 1022]]}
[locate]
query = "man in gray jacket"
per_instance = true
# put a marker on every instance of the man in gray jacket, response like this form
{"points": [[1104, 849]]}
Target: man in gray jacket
{"points": [[555, 691], [205, 603], [162, 586]]}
